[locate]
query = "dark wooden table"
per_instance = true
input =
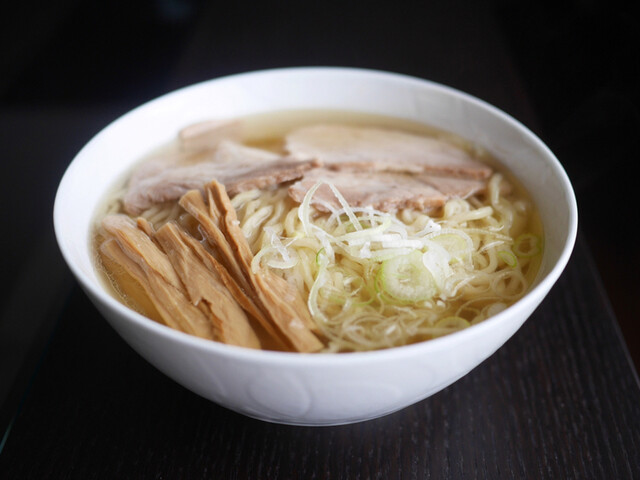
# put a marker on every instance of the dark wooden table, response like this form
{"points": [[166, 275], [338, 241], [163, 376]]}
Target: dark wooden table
{"points": [[560, 400]]}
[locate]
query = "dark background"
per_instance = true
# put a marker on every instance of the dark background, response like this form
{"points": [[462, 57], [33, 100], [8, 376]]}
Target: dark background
{"points": [[576, 65], [557, 401]]}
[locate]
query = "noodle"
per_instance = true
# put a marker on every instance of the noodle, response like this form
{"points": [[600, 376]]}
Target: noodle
{"points": [[346, 300], [470, 259]]}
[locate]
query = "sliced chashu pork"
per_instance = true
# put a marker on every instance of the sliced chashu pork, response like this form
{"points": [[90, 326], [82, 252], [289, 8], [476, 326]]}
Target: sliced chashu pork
{"points": [[236, 166], [382, 191], [208, 134], [342, 147], [385, 191], [196, 143]]}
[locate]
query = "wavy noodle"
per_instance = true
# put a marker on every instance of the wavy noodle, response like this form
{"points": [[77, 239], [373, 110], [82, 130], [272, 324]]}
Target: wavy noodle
{"points": [[158, 215], [337, 267], [335, 273], [483, 252]]}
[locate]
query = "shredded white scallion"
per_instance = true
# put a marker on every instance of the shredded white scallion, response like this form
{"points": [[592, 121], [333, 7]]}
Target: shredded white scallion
{"points": [[355, 265]]}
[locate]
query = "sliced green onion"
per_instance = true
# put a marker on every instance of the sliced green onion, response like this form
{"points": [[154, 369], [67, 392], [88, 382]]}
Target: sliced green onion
{"points": [[347, 208], [508, 258], [527, 245], [436, 259], [459, 245], [405, 278], [364, 234], [304, 210], [321, 257], [312, 301]]}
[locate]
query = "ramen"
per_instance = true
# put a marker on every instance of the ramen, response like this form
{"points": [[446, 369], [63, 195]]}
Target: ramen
{"points": [[318, 232]]}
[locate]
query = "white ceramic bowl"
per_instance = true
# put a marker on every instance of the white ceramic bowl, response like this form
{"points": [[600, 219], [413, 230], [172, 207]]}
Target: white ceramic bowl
{"points": [[313, 389]]}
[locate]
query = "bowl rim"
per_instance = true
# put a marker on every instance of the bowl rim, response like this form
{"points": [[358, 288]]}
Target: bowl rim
{"points": [[529, 301]]}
